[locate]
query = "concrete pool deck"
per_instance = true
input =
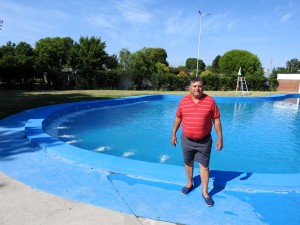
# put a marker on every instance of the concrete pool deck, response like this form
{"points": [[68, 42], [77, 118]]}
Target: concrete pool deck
{"points": [[44, 186]]}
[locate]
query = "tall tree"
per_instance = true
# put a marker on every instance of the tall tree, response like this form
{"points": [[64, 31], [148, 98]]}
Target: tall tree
{"points": [[293, 65], [8, 63], [87, 58], [111, 62], [145, 64], [51, 56], [215, 65], [25, 62], [140, 67], [231, 61], [124, 58], [157, 55], [16, 63], [191, 64]]}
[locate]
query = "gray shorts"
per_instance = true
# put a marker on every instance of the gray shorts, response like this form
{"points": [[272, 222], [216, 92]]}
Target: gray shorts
{"points": [[198, 150]]}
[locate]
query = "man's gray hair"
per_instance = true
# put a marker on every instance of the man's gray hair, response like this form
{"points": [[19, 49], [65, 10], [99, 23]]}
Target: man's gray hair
{"points": [[196, 79]]}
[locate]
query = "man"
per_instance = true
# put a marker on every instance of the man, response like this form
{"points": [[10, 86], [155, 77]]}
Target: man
{"points": [[197, 112]]}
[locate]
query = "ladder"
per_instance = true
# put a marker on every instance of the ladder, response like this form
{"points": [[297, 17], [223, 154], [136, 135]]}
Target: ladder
{"points": [[241, 85]]}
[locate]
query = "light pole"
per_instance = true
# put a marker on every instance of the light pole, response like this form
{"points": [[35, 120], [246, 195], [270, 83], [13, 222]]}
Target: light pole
{"points": [[201, 15]]}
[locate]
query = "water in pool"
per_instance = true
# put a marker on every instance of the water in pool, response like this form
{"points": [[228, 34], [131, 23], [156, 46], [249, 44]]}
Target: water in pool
{"points": [[258, 137]]}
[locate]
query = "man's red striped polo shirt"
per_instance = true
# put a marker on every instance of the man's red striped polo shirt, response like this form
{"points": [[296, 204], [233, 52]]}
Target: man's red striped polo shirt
{"points": [[196, 119]]}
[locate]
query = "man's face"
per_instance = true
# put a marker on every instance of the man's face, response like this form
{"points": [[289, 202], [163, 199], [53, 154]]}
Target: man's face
{"points": [[196, 89]]}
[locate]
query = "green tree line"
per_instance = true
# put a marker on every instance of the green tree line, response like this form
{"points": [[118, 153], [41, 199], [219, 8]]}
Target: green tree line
{"points": [[62, 63]]}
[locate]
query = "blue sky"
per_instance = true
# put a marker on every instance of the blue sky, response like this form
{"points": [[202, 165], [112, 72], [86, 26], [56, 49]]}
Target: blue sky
{"points": [[269, 29]]}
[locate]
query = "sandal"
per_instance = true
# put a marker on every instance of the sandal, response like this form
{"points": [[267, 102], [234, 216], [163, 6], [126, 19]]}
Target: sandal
{"points": [[185, 190], [209, 201]]}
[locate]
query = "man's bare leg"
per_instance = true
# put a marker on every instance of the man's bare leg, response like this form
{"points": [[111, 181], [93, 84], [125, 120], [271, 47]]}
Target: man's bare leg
{"points": [[204, 174], [189, 169]]}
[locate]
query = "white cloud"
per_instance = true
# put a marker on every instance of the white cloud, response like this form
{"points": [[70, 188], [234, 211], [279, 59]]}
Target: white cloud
{"points": [[220, 22], [286, 17], [102, 21], [133, 11]]}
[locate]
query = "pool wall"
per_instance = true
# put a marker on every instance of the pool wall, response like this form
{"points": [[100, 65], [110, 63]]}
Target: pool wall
{"points": [[145, 170]]}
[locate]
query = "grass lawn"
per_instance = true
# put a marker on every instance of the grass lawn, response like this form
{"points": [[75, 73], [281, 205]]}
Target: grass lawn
{"points": [[12, 102]]}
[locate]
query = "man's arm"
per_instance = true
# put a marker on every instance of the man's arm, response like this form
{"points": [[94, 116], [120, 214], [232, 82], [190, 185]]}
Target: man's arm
{"points": [[218, 127], [176, 125]]}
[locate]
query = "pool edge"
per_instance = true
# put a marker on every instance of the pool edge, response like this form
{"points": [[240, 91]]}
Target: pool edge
{"points": [[152, 171]]}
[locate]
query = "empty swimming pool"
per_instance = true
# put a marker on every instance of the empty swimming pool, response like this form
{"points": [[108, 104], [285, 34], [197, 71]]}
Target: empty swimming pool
{"points": [[260, 134]]}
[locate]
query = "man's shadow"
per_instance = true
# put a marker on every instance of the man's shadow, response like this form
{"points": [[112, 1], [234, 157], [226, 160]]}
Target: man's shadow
{"points": [[220, 179]]}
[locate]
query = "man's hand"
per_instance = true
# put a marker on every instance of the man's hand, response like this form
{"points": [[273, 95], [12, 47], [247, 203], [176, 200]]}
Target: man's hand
{"points": [[176, 125], [218, 127], [174, 140], [219, 145]]}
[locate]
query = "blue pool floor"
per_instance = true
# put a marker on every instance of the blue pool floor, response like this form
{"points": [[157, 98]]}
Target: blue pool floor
{"points": [[240, 198]]}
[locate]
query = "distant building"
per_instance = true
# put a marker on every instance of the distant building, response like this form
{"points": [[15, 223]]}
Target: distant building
{"points": [[267, 72], [288, 82]]}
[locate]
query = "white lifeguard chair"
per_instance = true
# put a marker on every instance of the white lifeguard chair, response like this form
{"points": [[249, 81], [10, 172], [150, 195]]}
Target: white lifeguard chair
{"points": [[241, 84]]}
